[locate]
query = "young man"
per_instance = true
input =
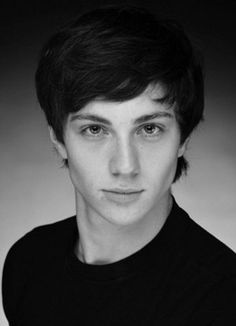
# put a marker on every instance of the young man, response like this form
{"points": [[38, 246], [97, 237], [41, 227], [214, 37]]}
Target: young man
{"points": [[122, 91]]}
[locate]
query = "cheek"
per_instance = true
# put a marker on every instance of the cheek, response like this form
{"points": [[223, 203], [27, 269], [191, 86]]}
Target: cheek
{"points": [[85, 169], [160, 163]]}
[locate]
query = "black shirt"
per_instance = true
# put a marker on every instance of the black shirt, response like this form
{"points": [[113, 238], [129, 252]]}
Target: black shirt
{"points": [[184, 276]]}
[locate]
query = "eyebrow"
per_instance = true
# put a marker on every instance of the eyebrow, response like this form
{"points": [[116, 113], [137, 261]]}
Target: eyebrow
{"points": [[141, 119]]}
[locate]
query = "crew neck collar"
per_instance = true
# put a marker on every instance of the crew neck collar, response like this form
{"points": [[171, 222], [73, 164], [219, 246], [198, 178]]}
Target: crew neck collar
{"points": [[151, 254]]}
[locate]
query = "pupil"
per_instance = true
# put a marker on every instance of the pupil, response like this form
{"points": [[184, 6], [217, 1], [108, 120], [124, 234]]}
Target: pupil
{"points": [[95, 129], [149, 128]]}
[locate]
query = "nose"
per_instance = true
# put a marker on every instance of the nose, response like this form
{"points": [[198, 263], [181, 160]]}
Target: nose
{"points": [[124, 161]]}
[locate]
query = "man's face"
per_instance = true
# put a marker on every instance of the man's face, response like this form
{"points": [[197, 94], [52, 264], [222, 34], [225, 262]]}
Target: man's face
{"points": [[122, 157]]}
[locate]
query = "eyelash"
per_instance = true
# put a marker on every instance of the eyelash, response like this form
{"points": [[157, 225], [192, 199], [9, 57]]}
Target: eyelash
{"points": [[158, 128]]}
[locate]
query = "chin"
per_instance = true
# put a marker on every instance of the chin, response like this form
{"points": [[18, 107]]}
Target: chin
{"points": [[124, 217]]}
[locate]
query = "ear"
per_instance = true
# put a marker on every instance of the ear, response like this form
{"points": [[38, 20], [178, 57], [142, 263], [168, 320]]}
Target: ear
{"points": [[58, 145], [183, 147]]}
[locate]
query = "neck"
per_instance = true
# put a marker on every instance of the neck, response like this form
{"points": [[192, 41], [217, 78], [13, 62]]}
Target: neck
{"points": [[104, 243]]}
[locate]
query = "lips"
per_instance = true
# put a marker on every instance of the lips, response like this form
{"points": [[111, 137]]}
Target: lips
{"points": [[123, 191], [122, 196]]}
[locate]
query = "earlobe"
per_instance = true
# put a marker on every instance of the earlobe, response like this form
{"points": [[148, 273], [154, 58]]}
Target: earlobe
{"points": [[183, 148], [58, 145]]}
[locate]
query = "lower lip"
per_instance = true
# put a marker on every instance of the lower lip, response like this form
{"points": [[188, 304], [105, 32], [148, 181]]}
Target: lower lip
{"points": [[120, 198]]}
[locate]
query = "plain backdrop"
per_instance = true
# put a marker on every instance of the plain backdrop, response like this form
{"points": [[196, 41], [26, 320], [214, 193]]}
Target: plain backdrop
{"points": [[34, 189]]}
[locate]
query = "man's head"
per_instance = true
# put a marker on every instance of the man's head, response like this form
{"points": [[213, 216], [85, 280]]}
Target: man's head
{"points": [[115, 54]]}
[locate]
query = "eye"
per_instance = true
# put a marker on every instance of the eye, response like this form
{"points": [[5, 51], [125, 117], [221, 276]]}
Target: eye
{"points": [[151, 130], [93, 131]]}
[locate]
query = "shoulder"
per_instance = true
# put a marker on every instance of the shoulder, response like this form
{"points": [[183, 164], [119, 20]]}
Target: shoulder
{"points": [[40, 238], [216, 263], [30, 252], [211, 270], [200, 247], [208, 252]]}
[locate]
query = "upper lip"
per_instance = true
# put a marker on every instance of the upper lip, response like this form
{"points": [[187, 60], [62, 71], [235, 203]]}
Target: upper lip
{"points": [[123, 190]]}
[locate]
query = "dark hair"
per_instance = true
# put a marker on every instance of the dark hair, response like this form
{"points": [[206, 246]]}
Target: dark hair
{"points": [[114, 53]]}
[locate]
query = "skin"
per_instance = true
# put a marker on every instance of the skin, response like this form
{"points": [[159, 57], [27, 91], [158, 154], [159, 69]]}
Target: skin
{"points": [[140, 156]]}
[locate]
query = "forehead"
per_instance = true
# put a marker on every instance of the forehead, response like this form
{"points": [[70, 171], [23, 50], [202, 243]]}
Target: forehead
{"points": [[150, 102]]}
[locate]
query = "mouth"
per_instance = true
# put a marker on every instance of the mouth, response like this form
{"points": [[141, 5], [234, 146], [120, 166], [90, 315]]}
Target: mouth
{"points": [[123, 197], [123, 191]]}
